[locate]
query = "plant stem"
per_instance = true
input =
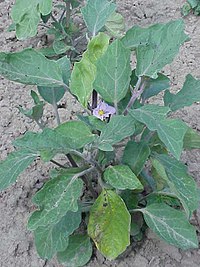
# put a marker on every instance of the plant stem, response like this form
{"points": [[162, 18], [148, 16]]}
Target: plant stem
{"points": [[68, 13], [58, 164], [84, 178], [139, 88], [54, 19], [92, 162], [94, 99], [56, 113]]}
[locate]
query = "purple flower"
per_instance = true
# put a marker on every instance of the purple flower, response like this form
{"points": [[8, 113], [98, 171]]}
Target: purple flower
{"points": [[103, 110]]}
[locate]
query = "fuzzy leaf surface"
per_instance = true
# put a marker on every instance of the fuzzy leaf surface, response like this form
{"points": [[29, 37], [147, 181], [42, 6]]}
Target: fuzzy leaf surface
{"points": [[58, 196], [67, 136], [116, 130], [54, 237], [13, 165], [109, 224], [170, 225], [155, 46], [179, 181], [155, 86], [189, 94], [84, 72], [30, 67], [121, 177], [113, 73], [115, 25], [191, 139], [171, 132], [96, 13], [78, 252], [135, 155], [26, 17]]}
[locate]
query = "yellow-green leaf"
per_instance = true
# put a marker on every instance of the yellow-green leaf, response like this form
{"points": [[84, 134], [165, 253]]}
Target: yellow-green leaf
{"points": [[84, 72], [109, 224]]}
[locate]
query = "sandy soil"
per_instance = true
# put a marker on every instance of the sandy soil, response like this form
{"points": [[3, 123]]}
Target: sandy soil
{"points": [[16, 246]]}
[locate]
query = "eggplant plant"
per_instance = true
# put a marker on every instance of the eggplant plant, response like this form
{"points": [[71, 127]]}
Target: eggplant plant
{"points": [[123, 171]]}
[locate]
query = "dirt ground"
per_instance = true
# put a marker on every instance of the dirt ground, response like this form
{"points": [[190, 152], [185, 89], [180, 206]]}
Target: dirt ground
{"points": [[16, 243]]}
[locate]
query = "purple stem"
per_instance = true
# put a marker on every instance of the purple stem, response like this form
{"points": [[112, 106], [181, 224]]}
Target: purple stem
{"points": [[139, 89], [94, 99]]}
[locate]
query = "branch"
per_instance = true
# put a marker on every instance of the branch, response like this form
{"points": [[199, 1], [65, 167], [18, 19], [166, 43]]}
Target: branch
{"points": [[139, 89]]}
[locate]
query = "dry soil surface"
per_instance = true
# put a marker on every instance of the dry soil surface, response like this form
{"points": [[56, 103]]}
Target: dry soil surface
{"points": [[16, 243]]}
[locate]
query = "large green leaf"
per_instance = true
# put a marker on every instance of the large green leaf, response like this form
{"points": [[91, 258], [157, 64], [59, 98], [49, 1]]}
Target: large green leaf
{"points": [[191, 139], [171, 132], [68, 136], [135, 155], [189, 94], [78, 252], [96, 13], [178, 180], [58, 196], [109, 224], [116, 130], [84, 72], [170, 225], [13, 165], [30, 67], [155, 46], [27, 16], [121, 177], [54, 237], [113, 73]]}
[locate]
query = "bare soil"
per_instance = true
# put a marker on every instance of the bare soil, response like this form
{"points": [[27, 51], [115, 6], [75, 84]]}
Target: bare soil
{"points": [[16, 246]]}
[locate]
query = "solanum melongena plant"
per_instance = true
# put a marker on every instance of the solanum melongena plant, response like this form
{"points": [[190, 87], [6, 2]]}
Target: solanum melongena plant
{"points": [[123, 171]]}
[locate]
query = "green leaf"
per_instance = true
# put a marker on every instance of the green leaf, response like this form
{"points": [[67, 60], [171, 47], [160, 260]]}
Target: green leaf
{"points": [[51, 94], [35, 97], [45, 6], [135, 37], [116, 130], [113, 73], [171, 132], [96, 13], [155, 86], [68, 136], [35, 113], [54, 237], [186, 9], [109, 224], [65, 66], [170, 225], [135, 155], [115, 25], [58, 196], [189, 94], [191, 139], [155, 46], [179, 181], [84, 72], [30, 67], [13, 165], [78, 252], [60, 46], [92, 122], [26, 17], [121, 177]]}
